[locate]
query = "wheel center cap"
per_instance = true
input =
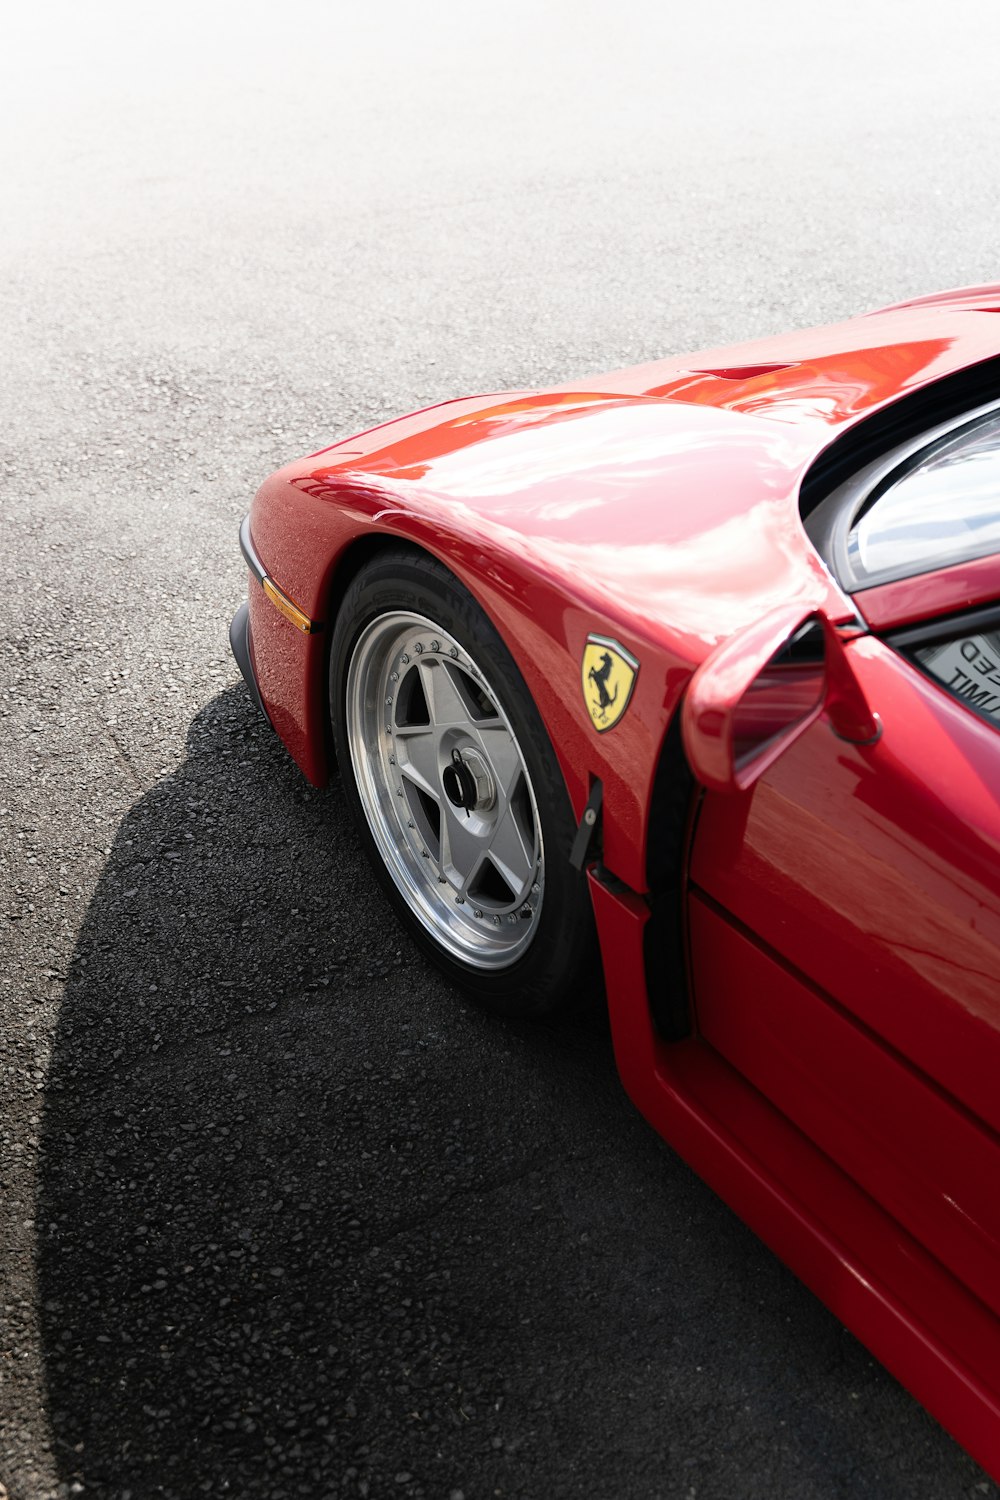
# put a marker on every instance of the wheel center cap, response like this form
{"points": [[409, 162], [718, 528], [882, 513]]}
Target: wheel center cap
{"points": [[459, 784], [467, 782]]}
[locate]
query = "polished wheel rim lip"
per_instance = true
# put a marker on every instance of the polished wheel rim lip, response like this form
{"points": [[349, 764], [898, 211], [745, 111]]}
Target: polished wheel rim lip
{"points": [[418, 706]]}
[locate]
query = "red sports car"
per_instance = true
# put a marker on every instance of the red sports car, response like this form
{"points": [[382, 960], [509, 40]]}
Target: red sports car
{"points": [[696, 667]]}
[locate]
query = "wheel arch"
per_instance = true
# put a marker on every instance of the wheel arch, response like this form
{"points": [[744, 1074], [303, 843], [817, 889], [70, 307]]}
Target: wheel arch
{"points": [[544, 618], [344, 568]]}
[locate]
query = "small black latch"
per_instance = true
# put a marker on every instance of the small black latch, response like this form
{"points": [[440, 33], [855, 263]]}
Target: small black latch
{"points": [[580, 851]]}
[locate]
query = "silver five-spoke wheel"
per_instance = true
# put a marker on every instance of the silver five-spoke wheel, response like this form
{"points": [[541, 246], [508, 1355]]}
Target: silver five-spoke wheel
{"points": [[445, 789], [452, 781]]}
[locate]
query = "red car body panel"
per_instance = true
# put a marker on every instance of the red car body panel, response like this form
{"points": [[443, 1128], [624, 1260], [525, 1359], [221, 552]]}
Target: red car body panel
{"points": [[918, 1319], [946, 591], [885, 899], [838, 1089]]}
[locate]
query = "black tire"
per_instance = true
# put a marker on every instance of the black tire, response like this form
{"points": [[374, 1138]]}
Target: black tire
{"points": [[561, 959]]}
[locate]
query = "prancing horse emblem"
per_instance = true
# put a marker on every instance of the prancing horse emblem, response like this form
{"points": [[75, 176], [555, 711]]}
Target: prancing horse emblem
{"points": [[609, 674]]}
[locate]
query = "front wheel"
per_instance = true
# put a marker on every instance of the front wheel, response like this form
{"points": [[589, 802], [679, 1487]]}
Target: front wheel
{"points": [[455, 787]]}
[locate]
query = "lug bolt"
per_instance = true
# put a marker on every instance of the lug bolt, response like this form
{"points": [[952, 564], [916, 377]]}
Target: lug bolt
{"points": [[404, 658], [435, 645], [452, 650], [441, 880], [388, 703], [459, 900], [496, 921], [477, 912], [424, 854], [394, 677], [535, 888], [392, 760], [511, 917], [418, 648], [411, 824]]}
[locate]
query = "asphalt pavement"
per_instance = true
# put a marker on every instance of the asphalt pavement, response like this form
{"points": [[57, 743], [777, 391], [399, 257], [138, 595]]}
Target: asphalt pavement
{"points": [[280, 1214]]}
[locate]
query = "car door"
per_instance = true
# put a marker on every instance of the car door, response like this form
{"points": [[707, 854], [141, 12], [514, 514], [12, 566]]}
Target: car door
{"points": [[845, 912]]}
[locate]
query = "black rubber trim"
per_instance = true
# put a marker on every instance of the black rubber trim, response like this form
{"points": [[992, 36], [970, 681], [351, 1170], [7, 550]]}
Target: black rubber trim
{"points": [[587, 831], [253, 562], [944, 628], [674, 806], [239, 640]]}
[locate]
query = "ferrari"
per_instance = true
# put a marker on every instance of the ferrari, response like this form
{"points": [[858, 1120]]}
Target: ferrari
{"points": [[688, 677]]}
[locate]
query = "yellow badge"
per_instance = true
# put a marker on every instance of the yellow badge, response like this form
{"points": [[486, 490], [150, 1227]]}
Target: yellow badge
{"points": [[609, 674]]}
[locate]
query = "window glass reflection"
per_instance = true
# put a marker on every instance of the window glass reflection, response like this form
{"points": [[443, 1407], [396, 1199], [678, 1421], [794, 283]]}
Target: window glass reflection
{"points": [[944, 510]]}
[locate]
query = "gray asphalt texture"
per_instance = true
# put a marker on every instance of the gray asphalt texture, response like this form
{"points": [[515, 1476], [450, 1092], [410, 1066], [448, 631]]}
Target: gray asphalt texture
{"points": [[280, 1215]]}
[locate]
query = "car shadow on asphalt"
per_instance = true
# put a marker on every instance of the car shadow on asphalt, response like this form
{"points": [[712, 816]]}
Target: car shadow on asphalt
{"points": [[309, 1225]]}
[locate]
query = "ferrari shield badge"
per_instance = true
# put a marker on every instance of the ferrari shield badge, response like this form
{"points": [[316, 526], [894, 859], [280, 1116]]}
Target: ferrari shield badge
{"points": [[609, 674]]}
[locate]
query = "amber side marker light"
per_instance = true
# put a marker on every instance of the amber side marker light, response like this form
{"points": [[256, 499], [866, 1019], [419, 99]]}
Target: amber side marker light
{"points": [[281, 601], [287, 607]]}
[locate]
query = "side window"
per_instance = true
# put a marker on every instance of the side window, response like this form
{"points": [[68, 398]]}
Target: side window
{"points": [[932, 501], [940, 507], [968, 665]]}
